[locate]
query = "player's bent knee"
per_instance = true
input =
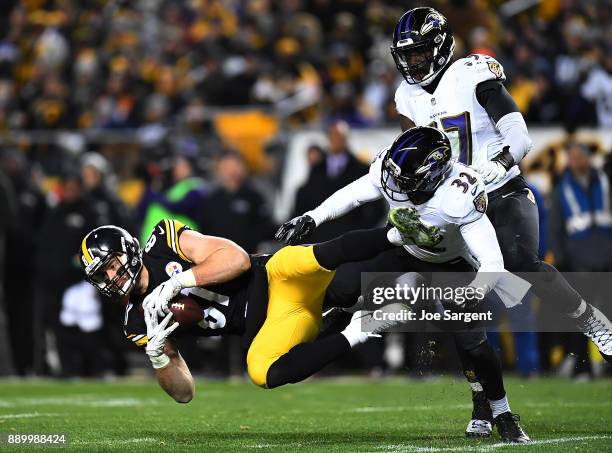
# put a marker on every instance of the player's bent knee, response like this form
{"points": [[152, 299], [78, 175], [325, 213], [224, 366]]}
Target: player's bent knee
{"points": [[257, 368], [258, 376]]}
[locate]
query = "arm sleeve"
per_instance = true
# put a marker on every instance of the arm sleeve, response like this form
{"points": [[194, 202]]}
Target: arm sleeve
{"points": [[482, 242], [495, 99], [501, 108], [351, 196], [513, 129]]}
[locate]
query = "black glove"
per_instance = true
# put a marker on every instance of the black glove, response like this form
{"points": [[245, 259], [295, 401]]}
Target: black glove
{"points": [[295, 230]]}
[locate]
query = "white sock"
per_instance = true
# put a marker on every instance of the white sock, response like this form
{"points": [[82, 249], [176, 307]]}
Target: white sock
{"points": [[579, 311], [354, 336], [499, 406], [476, 386]]}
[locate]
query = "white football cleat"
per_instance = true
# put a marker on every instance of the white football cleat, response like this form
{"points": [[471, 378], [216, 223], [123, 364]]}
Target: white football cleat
{"points": [[380, 320], [481, 423], [479, 428], [595, 325]]}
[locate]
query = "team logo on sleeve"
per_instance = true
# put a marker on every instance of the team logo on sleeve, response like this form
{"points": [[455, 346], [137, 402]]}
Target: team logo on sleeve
{"points": [[173, 268], [496, 69], [480, 202]]}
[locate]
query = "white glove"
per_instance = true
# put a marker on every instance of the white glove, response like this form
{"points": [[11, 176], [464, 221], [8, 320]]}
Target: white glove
{"points": [[491, 171], [156, 303], [157, 332]]}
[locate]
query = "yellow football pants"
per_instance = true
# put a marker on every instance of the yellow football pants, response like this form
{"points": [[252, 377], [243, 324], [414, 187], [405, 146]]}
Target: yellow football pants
{"points": [[296, 288]]}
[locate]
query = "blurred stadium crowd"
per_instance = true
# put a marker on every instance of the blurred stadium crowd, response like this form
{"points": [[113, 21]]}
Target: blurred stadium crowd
{"points": [[182, 109], [125, 64]]}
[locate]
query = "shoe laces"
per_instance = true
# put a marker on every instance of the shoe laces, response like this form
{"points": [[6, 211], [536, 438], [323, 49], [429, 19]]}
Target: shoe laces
{"points": [[596, 329]]}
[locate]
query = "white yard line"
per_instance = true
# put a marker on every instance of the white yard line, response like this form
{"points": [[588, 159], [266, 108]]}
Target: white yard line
{"points": [[437, 407], [114, 442], [407, 448], [27, 415], [79, 400], [373, 409]]}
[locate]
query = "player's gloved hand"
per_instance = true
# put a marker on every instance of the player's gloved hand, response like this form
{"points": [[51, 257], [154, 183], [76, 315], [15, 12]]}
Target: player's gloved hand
{"points": [[295, 230], [157, 332], [495, 170], [156, 302], [491, 171]]}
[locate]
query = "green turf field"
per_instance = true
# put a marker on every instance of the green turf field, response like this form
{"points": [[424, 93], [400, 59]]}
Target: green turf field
{"points": [[345, 415]]}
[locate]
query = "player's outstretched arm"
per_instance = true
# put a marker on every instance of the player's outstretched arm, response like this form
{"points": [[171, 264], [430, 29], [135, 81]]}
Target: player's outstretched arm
{"points": [[217, 260], [175, 378], [341, 202], [170, 368]]}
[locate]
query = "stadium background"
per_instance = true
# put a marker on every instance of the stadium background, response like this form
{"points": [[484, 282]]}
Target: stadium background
{"points": [[235, 115]]}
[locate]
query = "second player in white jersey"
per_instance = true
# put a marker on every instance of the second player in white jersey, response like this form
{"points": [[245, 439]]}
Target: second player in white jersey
{"points": [[454, 107]]}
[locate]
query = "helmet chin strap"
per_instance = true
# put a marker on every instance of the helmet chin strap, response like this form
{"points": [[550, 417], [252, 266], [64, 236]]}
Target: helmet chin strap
{"points": [[131, 281]]}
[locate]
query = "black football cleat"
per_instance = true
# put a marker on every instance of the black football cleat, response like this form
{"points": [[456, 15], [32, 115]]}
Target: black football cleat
{"points": [[334, 321], [509, 428], [481, 423]]}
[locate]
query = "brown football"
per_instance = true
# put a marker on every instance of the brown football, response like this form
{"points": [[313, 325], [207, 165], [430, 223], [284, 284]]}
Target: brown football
{"points": [[187, 312]]}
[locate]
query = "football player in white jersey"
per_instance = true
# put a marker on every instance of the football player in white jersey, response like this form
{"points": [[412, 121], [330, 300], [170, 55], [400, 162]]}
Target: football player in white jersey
{"points": [[448, 201], [467, 99]]}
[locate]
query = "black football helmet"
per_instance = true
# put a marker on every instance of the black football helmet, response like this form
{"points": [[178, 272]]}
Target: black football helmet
{"points": [[423, 45], [111, 250], [415, 164]]}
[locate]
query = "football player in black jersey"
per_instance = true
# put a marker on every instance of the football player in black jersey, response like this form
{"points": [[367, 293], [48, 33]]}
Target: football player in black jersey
{"points": [[274, 302]]}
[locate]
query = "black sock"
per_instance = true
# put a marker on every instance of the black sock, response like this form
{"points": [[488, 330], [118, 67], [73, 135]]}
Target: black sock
{"points": [[305, 359], [488, 368], [467, 365], [356, 245]]}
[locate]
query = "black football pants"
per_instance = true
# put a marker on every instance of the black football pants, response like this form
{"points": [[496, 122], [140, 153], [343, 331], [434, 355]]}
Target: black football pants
{"points": [[478, 359], [514, 214]]}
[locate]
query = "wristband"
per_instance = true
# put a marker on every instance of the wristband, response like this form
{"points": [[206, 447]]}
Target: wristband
{"points": [[505, 158], [160, 361], [186, 279]]}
